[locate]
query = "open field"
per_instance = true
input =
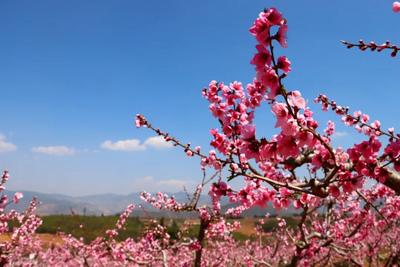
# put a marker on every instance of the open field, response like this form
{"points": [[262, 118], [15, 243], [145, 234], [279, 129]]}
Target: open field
{"points": [[47, 239], [90, 227]]}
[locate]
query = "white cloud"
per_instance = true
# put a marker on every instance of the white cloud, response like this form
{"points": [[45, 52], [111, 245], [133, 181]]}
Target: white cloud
{"points": [[339, 134], [158, 142], [54, 150], [124, 145], [173, 183], [151, 184], [6, 146]]}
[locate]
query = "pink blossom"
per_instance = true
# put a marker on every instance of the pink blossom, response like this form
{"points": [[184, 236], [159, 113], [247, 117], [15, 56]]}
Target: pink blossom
{"points": [[284, 64], [297, 204], [348, 187], [17, 197], [268, 77], [305, 138], [396, 6], [334, 191], [248, 131], [269, 151], [281, 112], [260, 29], [330, 129], [140, 120], [290, 127], [285, 192], [287, 146], [281, 35], [296, 100], [273, 16], [262, 58]]}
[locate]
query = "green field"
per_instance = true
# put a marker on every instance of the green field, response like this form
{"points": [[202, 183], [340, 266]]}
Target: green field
{"points": [[90, 227]]}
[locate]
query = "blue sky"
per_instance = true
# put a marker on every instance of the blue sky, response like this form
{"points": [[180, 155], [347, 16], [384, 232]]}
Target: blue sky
{"points": [[74, 74]]}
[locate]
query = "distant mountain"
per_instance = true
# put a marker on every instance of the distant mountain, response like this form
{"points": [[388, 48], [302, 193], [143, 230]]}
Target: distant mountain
{"points": [[107, 204], [262, 211], [110, 204], [54, 204]]}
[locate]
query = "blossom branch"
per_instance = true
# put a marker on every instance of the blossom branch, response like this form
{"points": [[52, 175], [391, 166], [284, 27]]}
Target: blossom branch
{"points": [[372, 46]]}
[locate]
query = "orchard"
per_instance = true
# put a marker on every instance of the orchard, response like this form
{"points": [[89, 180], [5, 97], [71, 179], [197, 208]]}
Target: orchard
{"points": [[347, 198]]}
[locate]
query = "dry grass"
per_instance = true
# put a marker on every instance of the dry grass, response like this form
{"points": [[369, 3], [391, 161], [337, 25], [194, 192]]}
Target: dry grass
{"points": [[247, 226], [47, 239]]}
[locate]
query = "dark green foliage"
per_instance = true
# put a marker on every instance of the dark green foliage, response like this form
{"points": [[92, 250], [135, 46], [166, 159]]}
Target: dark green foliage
{"points": [[193, 231], [272, 223], [92, 226], [162, 221], [240, 237], [173, 230]]}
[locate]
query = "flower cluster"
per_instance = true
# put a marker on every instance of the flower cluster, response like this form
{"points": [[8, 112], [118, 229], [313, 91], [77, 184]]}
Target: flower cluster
{"points": [[162, 201], [272, 169]]}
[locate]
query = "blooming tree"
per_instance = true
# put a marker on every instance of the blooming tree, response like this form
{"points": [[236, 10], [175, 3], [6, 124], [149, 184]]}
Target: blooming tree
{"points": [[334, 198], [348, 201]]}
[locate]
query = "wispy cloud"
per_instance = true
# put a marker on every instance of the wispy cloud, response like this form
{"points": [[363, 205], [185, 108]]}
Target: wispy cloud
{"points": [[173, 183], [124, 145], [157, 142], [6, 146], [54, 150], [339, 134], [151, 184]]}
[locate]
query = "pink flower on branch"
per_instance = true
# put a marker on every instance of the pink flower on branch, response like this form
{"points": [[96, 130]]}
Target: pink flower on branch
{"points": [[284, 64], [17, 197], [272, 168], [396, 6]]}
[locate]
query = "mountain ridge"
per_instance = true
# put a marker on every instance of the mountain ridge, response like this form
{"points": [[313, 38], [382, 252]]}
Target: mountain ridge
{"points": [[111, 204]]}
